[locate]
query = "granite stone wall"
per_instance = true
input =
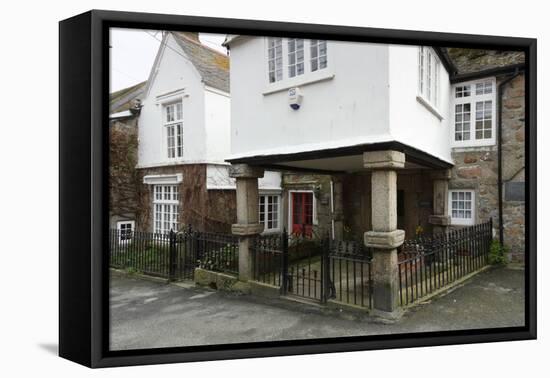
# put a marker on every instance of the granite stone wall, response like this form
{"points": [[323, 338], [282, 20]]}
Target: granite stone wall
{"points": [[477, 168]]}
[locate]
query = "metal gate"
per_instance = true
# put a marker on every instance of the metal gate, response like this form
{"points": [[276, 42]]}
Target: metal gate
{"points": [[316, 269], [305, 267]]}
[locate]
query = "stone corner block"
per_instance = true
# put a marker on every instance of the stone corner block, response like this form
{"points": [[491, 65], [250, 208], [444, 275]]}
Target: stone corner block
{"points": [[439, 220], [245, 171], [441, 174], [383, 159], [247, 229], [384, 240]]}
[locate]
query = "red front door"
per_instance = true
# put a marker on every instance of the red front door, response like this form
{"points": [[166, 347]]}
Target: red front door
{"points": [[302, 213]]}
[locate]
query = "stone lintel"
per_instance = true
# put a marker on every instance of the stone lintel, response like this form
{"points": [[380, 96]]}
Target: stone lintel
{"points": [[245, 171], [441, 174], [383, 159], [384, 240], [247, 229], [439, 220]]}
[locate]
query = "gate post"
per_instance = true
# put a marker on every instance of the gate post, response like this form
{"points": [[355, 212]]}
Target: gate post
{"points": [[284, 267], [325, 268], [172, 256], [384, 238]]}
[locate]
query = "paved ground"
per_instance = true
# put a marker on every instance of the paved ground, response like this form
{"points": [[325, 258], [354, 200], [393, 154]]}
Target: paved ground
{"points": [[148, 315]]}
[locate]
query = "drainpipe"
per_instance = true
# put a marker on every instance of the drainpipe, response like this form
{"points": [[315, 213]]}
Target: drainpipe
{"points": [[500, 205]]}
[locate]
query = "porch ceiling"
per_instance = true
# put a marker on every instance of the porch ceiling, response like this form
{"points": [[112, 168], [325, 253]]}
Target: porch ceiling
{"points": [[345, 159]]}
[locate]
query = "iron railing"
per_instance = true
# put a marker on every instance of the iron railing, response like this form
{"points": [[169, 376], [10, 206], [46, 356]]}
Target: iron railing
{"points": [[429, 264], [316, 269], [217, 252], [350, 273], [173, 256], [267, 259]]}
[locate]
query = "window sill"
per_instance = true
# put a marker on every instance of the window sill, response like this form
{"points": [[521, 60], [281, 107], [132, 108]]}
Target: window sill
{"points": [[305, 79], [429, 106], [461, 223], [470, 145]]}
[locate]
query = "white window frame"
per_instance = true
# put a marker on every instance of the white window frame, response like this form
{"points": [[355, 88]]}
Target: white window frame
{"points": [[265, 211], [176, 127], [315, 44], [308, 76], [462, 221], [429, 83], [166, 208], [473, 99], [278, 69], [119, 229], [314, 205]]}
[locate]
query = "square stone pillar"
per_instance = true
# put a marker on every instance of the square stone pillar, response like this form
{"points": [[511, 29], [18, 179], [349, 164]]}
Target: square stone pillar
{"points": [[247, 225], [440, 218], [338, 206], [384, 237]]}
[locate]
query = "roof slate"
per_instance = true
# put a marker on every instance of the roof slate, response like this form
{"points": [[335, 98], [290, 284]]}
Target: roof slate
{"points": [[469, 61], [122, 99], [212, 65]]}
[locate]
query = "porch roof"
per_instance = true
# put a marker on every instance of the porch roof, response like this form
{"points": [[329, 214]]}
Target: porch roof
{"points": [[341, 159]]}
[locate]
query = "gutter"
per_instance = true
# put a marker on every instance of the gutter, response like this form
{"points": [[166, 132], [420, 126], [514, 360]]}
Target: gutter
{"points": [[500, 181]]}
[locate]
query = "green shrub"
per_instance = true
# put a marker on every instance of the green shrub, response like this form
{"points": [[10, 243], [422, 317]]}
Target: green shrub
{"points": [[497, 253]]}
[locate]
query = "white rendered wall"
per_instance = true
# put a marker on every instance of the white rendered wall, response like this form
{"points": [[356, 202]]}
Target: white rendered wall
{"points": [[410, 121], [217, 121], [350, 108], [217, 177], [173, 73]]}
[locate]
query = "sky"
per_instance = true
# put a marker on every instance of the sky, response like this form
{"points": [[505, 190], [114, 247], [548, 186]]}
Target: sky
{"points": [[133, 52]]}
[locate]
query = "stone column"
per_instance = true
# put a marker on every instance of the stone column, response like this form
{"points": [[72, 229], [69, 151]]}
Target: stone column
{"points": [[247, 225], [384, 237], [338, 213], [440, 218]]}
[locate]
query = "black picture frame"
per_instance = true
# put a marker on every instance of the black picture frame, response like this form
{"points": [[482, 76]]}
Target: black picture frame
{"points": [[83, 197]]}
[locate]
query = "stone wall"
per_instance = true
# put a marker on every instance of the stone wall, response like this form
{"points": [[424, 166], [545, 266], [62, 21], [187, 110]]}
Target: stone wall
{"points": [[204, 210], [477, 168]]}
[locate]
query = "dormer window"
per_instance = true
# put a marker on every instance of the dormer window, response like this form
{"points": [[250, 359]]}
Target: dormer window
{"points": [[299, 57], [473, 109]]}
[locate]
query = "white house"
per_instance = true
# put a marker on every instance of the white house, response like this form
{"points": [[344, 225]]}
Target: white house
{"points": [[184, 134], [387, 122]]}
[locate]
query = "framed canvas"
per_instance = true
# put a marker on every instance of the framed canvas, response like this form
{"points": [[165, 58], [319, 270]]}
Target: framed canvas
{"points": [[276, 189]]}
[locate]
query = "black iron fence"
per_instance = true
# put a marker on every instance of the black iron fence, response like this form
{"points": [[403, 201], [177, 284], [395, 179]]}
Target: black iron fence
{"points": [[217, 252], [317, 269], [173, 255], [428, 264], [350, 273], [267, 259]]}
